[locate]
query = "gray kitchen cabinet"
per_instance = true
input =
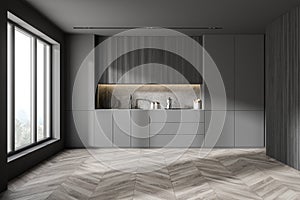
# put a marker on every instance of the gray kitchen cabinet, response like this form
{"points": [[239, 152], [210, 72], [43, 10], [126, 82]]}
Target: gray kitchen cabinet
{"points": [[121, 128], [249, 72], [139, 128], [152, 65], [240, 60], [176, 116], [103, 128], [180, 141], [221, 50], [226, 137], [249, 129], [177, 128], [139, 142]]}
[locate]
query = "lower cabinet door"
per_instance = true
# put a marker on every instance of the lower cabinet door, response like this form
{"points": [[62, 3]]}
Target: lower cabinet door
{"points": [[249, 129], [177, 128], [140, 143], [224, 137], [163, 116], [121, 128], [103, 128], [180, 141], [139, 129]]}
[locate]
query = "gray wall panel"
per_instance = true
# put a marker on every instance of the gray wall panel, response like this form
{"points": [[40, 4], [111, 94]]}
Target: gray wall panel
{"points": [[282, 88]]}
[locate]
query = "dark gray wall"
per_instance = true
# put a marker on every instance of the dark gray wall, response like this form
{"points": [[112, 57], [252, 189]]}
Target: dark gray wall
{"points": [[3, 100], [33, 17], [282, 88]]}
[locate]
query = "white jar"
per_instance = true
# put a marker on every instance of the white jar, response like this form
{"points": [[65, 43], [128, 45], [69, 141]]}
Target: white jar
{"points": [[197, 104]]}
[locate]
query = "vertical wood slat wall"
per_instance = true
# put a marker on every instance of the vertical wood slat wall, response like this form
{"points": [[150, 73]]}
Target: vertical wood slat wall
{"points": [[283, 89]]}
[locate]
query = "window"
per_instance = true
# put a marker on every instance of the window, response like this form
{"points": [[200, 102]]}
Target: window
{"points": [[29, 88]]}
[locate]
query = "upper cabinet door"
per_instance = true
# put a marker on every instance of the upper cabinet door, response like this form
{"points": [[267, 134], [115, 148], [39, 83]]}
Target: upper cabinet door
{"points": [[221, 50], [249, 70], [178, 61]]}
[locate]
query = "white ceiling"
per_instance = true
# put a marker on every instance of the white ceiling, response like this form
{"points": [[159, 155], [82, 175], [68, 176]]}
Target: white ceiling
{"points": [[235, 16]]}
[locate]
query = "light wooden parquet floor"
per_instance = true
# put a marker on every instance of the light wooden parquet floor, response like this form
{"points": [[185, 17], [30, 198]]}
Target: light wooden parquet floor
{"points": [[152, 174]]}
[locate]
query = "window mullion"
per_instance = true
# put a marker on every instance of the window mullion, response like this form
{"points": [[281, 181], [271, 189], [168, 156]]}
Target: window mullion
{"points": [[34, 91], [49, 97], [45, 91], [11, 87]]}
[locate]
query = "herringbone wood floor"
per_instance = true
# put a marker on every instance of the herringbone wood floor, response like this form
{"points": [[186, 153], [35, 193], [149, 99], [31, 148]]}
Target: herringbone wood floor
{"points": [[153, 174]]}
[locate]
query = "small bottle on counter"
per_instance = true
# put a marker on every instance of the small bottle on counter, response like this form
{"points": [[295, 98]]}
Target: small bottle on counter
{"points": [[169, 103], [130, 101], [197, 104]]}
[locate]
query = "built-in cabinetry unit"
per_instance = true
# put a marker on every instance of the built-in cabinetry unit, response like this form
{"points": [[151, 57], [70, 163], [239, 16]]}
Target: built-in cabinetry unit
{"points": [[249, 91], [240, 60], [149, 128]]}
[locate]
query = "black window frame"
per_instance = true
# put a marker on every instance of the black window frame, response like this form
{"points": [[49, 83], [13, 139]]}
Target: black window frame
{"points": [[12, 120]]}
